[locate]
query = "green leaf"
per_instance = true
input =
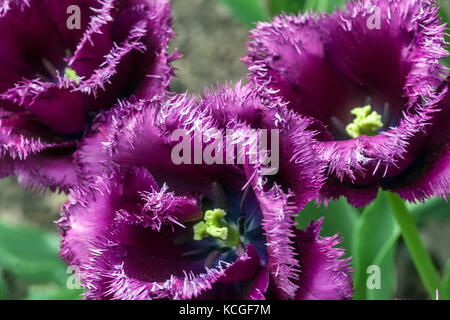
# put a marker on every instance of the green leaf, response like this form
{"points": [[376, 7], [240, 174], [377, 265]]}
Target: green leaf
{"points": [[2, 286], [374, 244], [322, 5], [444, 12], [340, 217], [287, 6], [31, 254], [446, 283], [248, 11], [434, 208], [52, 292], [31, 257]]}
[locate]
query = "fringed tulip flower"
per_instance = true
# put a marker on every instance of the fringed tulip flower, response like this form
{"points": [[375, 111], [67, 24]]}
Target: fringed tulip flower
{"points": [[63, 61], [370, 78], [149, 228]]}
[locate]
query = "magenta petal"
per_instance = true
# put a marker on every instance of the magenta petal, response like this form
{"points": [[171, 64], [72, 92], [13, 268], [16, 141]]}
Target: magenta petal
{"points": [[435, 181], [122, 256], [53, 169], [243, 268], [278, 223], [299, 167], [324, 274], [428, 174], [288, 56], [59, 109], [21, 134], [260, 285], [161, 207]]}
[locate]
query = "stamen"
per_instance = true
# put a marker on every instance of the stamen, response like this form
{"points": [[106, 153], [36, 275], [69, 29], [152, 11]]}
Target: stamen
{"points": [[241, 224], [196, 252], [244, 197], [339, 126], [206, 204], [366, 122], [250, 218], [211, 226], [220, 195], [50, 68], [212, 257], [68, 53], [386, 115], [184, 238], [214, 226], [42, 77], [240, 251], [71, 74]]}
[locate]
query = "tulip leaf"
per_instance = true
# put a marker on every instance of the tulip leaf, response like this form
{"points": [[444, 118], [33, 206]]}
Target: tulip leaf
{"points": [[247, 11], [374, 245], [340, 217], [434, 208]]}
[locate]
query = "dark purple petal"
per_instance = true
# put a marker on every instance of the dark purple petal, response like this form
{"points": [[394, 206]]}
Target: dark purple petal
{"points": [[51, 169], [244, 268], [324, 274], [278, 224], [428, 174], [260, 285]]}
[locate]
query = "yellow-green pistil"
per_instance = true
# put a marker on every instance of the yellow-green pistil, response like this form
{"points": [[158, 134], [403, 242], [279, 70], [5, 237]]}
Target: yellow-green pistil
{"points": [[214, 226], [71, 74], [366, 122]]}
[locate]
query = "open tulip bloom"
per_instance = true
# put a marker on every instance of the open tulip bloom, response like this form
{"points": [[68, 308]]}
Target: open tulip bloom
{"points": [[152, 229], [375, 92], [55, 79]]}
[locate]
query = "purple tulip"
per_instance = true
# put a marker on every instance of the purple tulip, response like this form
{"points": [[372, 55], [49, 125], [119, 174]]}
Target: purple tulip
{"points": [[148, 228], [370, 78], [63, 62]]}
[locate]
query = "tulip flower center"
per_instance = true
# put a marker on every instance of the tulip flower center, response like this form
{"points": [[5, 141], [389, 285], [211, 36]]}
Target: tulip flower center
{"points": [[71, 75], [213, 225], [365, 123], [226, 227], [52, 70]]}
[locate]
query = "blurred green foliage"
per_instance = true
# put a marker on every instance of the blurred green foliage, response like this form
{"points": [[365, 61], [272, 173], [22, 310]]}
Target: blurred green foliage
{"points": [[251, 11], [340, 218], [446, 280], [445, 14], [375, 240], [248, 11], [30, 266]]}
